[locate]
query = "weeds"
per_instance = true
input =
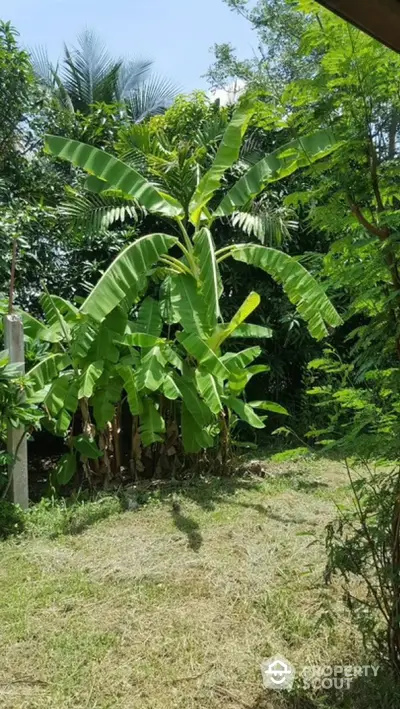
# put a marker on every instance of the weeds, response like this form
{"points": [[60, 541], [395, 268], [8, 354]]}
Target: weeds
{"points": [[12, 519], [52, 518]]}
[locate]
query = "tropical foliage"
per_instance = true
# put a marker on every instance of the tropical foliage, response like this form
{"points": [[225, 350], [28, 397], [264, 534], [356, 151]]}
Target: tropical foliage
{"points": [[316, 70], [167, 354], [88, 75], [133, 239]]}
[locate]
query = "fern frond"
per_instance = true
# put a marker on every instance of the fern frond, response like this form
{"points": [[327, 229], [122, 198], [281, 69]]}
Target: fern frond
{"points": [[253, 149], [270, 228], [4, 190], [95, 212], [137, 144], [211, 131]]}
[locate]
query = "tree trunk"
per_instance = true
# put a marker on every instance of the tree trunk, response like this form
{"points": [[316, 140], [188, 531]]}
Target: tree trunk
{"points": [[394, 629], [116, 432], [89, 430], [392, 134]]}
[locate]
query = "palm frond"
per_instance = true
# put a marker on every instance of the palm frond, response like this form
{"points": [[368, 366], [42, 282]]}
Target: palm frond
{"points": [[271, 228], [47, 74], [90, 74], [150, 98], [42, 66], [131, 74], [62, 94], [253, 149], [178, 178], [95, 212], [212, 130], [136, 144]]}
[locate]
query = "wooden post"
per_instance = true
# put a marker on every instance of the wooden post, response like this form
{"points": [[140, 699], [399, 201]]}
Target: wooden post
{"points": [[16, 437]]}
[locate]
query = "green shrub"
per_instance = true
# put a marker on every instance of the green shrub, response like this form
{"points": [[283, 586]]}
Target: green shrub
{"points": [[363, 542], [12, 519]]}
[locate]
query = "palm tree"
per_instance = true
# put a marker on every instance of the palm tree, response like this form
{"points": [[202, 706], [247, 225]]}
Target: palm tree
{"points": [[88, 74]]}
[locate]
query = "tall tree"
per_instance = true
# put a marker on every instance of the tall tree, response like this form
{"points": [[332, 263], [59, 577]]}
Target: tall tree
{"points": [[15, 90], [337, 76]]}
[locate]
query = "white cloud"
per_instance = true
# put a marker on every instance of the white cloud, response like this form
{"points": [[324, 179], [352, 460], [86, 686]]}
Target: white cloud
{"points": [[229, 94]]}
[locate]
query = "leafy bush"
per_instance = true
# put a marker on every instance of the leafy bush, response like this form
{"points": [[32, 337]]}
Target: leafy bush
{"points": [[363, 543], [12, 519], [15, 411]]}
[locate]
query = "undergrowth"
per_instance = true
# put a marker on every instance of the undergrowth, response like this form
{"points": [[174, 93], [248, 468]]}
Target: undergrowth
{"points": [[51, 518]]}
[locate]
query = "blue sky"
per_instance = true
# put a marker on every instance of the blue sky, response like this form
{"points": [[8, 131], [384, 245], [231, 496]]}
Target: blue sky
{"points": [[177, 34]]}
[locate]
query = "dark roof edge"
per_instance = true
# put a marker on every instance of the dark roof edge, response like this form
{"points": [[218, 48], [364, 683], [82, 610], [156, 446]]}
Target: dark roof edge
{"points": [[378, 18]]}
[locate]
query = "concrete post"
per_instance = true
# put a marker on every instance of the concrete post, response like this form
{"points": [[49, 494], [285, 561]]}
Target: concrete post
{"points": [[16, 438]]}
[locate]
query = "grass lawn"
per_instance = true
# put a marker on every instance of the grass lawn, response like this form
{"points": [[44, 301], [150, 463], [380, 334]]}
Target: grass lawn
{"points": [[176, 604]]}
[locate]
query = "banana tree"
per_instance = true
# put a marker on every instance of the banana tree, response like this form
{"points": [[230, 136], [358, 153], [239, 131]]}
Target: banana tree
{"points": [[169, 356]]}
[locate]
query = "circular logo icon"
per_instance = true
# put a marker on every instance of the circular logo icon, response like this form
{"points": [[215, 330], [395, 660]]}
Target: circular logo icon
{"points": [[277, 673]]}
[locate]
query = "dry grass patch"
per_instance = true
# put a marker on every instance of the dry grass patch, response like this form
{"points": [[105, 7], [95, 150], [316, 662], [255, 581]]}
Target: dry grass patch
{"points": [[175, 605]]}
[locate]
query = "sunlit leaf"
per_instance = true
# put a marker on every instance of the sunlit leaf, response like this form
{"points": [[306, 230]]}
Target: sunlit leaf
{"points": [[199, 349], [269, 406], [87, 447], [209, 276], [207, 388], [245, 412], [89, 379], [182, 302], [152, 424], [281, 163], [194, 436], [247, 330], [130, 386], [45, 371], [227, 155], [150, 374], [250, 304], [116, 173], [125, 275], [301, 288]]}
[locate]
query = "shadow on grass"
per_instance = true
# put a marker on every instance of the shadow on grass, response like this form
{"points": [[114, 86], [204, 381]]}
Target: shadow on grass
{"points": [[52, 519], [188, 526], [269, 514], [206, 492], [298, 480], [382, 692]]}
